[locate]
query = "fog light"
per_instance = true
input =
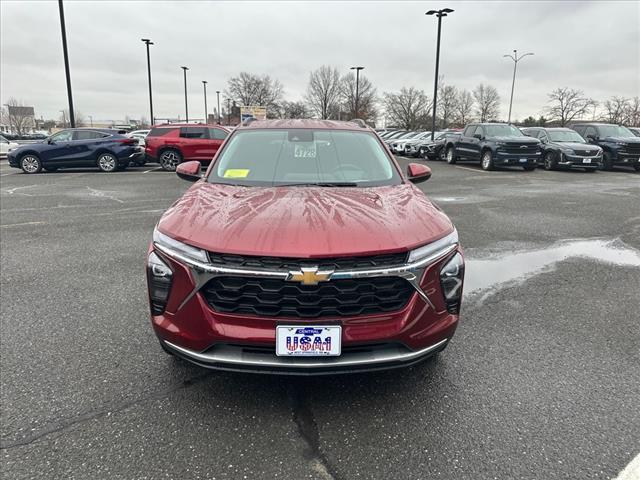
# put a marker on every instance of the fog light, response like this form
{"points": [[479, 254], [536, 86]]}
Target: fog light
{"points": [[159, 277], [451, 279]]}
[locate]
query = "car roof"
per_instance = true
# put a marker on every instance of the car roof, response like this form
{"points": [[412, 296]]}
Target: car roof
{"points": [[174, 125], [302, 123]]}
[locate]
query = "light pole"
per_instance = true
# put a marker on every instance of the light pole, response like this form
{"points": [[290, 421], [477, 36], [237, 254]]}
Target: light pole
{"points": [[228, 111], [439, 14], [515, 59], [149, 42], [91, 119], [186, 106], [206, 116], [218, 94], [64, 119], [357, 69], [72, 116]]}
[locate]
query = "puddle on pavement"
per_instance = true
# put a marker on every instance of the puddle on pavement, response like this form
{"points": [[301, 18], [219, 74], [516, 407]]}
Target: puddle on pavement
{"points": [[505, 269]]}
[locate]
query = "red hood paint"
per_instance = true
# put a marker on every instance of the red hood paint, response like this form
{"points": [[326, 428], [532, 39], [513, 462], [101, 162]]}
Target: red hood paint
{"points": [[304, 222]]}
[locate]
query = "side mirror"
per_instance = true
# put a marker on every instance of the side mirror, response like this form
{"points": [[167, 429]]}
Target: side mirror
{"points": [[591, 138], [418, 173], [478, 136], [51, 141], [189, 171]]}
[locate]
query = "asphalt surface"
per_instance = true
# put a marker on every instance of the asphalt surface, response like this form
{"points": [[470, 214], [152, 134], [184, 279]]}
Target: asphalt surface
{"points": [[541, 380]]}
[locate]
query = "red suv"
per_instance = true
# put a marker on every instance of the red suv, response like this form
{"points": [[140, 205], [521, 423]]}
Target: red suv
{"points": [[175, 143], [304, 249]]}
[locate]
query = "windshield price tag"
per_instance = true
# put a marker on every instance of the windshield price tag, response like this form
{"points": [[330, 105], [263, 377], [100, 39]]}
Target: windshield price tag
{"points": [[304, 151]]}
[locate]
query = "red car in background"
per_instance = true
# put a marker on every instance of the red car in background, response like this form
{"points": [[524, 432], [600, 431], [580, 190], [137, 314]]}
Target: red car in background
{"points": [[172, 144], [304, 250]]}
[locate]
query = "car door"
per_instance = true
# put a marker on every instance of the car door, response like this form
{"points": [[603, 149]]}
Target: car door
{"points": [[475, 143], [216, 136], [462, 144], [84, 147], [59, 148], [194, 143], [590, 134]]}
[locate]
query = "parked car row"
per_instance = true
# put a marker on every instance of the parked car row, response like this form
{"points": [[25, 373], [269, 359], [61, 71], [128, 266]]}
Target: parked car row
{"points": [[586, 146]]}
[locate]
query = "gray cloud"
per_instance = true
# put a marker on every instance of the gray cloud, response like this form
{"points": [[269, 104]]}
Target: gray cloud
{"points": [[594, 46]]}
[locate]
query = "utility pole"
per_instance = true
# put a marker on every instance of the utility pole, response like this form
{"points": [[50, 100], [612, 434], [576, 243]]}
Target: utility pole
{"points": [[149, 42], [186, 106], [228, 111], [206, 114], [438, 13], [357, 69], [72, 116], [218, 94]]}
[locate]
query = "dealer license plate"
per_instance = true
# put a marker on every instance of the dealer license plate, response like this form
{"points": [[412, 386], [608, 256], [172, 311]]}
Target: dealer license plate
{"points": [[523, 160], [308, 341], [586, 160]]}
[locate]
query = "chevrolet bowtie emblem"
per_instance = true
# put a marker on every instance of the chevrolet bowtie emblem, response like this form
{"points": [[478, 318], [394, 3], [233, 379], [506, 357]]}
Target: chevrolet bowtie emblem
{"points": [[309, 276]]}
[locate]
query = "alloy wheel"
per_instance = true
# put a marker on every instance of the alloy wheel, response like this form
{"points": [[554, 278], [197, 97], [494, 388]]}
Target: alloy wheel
{"points": [[169, 160], [30, 164], [107, 162]]}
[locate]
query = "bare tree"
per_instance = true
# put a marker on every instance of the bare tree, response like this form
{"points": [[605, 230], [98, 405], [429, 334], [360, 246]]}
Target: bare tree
{"points": [[616, 109], [251, 89], [633, 112], [447, 104], [81, 121], [567, 104], [367, 97], [464, 107], [294, 110], [487, 102], [408, 108], [19, 117], [323, 90]]}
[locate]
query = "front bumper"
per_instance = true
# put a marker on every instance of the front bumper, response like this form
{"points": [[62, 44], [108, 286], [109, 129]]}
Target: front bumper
{"points": [[574, 161], [627, 159], [191, 328], [514, 159]]}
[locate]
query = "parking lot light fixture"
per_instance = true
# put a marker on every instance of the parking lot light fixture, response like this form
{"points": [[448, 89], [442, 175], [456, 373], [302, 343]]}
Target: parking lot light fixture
{"points": [[65, 53], [357, 69], [149, 42], [186, 106], [218, 94], [206, 115], [438, 13], [515, 59]]}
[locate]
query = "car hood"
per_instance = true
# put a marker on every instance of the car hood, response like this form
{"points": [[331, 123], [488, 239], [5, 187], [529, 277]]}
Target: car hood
{"points": [[518, 140], [634, 140], [304, 222], [577, 146]]}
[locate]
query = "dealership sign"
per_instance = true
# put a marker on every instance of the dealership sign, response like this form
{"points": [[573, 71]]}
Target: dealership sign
{"points": [[246, 112]]}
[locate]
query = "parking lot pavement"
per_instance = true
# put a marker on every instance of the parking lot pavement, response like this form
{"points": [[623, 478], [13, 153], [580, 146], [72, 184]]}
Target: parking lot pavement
{"points": [[540, 381]]}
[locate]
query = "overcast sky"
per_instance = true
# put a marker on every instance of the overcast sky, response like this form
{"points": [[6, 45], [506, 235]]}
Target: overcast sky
{"points": [[593, 46]]}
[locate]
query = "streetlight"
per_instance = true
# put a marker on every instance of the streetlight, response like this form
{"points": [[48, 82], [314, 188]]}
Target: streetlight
{"points": [[357, 69], [91, 119], [206, 116], [64, 119], [149, 42], [439, 14], [186, 107], [218, 94], [228, 111], [515, 59], [72, 116]]}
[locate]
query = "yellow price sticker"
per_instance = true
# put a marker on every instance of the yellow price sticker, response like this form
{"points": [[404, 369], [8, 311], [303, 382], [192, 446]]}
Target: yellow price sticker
{"points": [[236, 173]]}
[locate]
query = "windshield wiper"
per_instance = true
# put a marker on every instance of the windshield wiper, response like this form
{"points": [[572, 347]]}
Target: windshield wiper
{"points": [[318, 184]]}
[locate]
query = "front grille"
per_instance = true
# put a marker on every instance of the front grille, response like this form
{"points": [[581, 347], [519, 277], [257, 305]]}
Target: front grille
{"points": [[280, 298], [633, 148], [516, 149], [586, 153], [282, 263]]}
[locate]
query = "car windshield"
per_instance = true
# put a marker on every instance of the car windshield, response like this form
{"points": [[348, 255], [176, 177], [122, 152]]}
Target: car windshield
{"points": [[2, 139], [277, 157], [502, 131], [565, 136], [614, 131]]}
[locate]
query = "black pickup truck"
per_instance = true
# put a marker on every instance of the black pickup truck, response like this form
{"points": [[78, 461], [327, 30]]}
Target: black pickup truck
{"points": [[494, 145], [621, 147]]}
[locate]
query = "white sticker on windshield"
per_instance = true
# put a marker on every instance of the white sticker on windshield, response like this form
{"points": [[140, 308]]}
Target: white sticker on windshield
{"points": [[304, 151]]}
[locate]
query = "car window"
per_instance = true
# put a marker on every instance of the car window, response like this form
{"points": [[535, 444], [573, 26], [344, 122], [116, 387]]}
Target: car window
{"points": [[614, 131], [590, 131], [218, 133], [565, 136], [159, 132], [580, 129], [63, 136], [193, 132], [87, 135], [479, 131], [294, 156], [502, 131], [3, 140], [468, 132]]}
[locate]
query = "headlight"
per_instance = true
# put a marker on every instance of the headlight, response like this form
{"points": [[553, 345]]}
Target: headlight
{"points": [[621, 144], [568, 151], [159, 277], [451, 279], [435, 248], [501, 144], [175, 248]]}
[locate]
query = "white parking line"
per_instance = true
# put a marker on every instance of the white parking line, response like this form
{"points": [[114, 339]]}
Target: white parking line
{"points": [[22, 224], [471, 169], [632, 471], [152, 170]]}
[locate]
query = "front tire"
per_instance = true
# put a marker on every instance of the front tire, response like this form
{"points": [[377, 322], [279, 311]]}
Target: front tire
{"points": [[107, 162], [549, 161], [451, 156], [487, 161], [30, 163], [169, 160]]}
